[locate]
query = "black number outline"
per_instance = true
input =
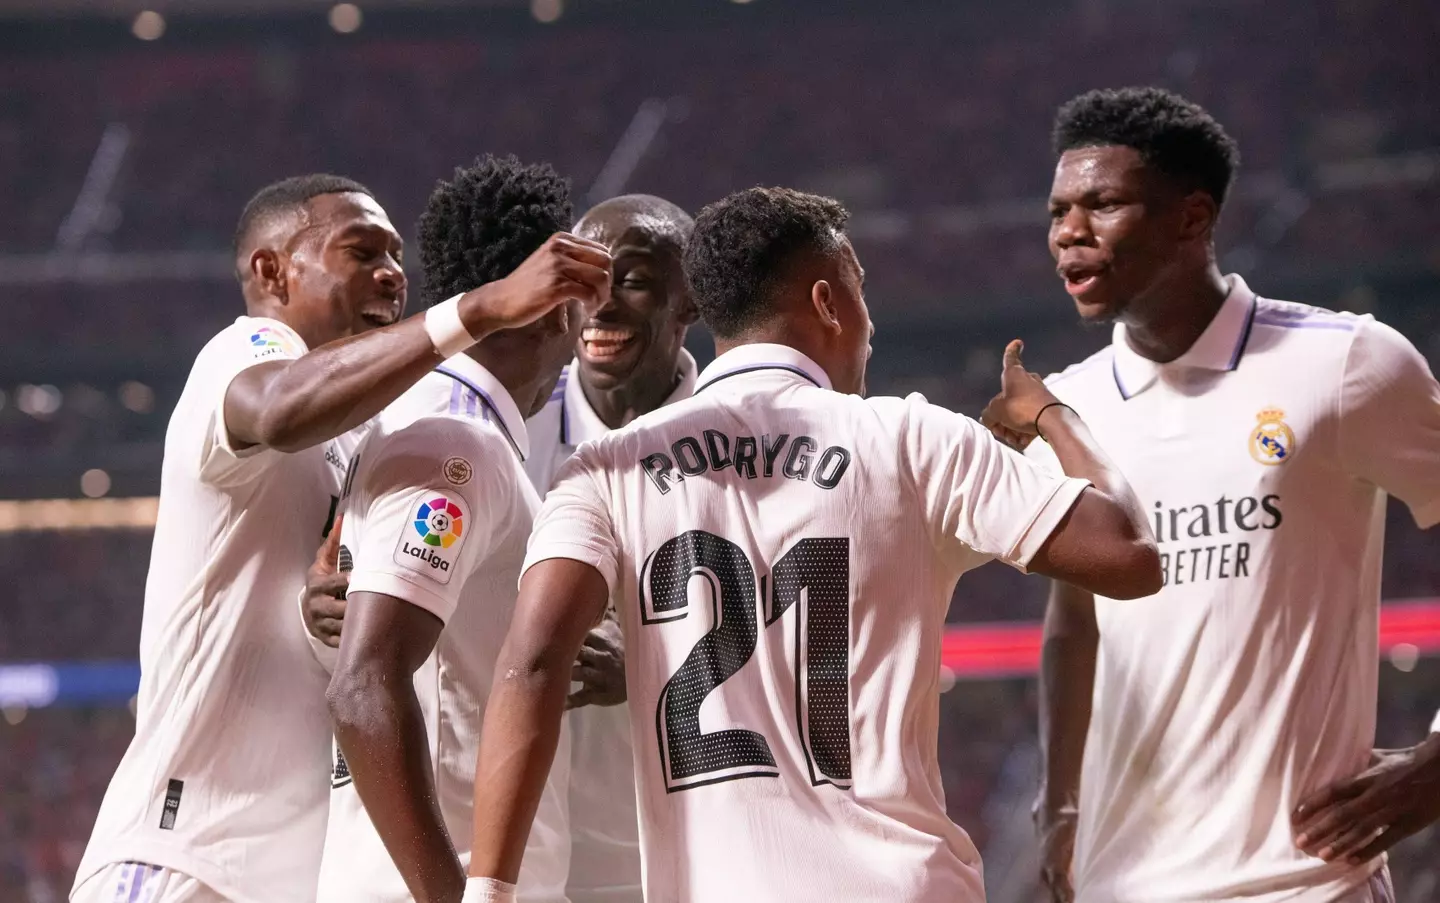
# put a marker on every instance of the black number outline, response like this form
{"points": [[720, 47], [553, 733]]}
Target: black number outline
{"points": [[825, 743], [688, 754]]}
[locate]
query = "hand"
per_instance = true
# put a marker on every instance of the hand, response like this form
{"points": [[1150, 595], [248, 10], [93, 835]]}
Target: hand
{"points": [[1057, 849], [1011, 414], [600, 667], [565, 267], [325, 585], [1359, 818]]}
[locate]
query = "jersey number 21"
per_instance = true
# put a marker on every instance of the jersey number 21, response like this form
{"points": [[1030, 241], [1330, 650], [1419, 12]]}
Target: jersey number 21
{"points": [[813, 577]]}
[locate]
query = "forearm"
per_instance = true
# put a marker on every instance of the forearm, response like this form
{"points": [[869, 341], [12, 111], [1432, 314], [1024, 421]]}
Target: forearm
{"points": [[518, 742], [338, 386], [1067, 681], [1081, 456], [381, 732]]}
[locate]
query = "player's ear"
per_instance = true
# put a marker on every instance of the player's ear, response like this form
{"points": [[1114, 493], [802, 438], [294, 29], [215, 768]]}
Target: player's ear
{"points": [[1199, 213], [685, 310], [823, 298], [267, 271]]}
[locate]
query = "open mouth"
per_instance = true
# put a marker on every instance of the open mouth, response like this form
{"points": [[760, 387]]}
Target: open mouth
{"points": [[1080, 277], [607, 342]]}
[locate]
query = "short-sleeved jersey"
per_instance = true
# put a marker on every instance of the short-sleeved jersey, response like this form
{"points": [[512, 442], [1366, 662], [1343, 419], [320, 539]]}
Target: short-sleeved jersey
{"points": [[225, 779], [437, 510], [1264, 454], [604, 823], [783, 556]]}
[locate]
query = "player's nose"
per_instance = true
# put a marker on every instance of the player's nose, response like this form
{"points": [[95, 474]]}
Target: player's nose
{"points": [[1072, 229]]}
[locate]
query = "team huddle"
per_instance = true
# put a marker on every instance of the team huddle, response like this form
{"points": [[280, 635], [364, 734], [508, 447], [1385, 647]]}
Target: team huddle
{"points": [[510, 601]]}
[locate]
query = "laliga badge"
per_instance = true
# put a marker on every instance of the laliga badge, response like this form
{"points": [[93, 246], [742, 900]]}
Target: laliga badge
{"points": [[1272, 441], [430, 543], [458, 471]]}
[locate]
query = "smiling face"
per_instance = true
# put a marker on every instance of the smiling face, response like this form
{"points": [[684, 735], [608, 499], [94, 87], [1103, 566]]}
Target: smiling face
{"points": [[1116, 226], [638, 332], [343, 272]]}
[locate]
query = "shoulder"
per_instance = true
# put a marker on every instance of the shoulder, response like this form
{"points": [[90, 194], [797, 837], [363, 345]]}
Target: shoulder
{"points": [[436, 447], [1083, 376], [1306, 322]]}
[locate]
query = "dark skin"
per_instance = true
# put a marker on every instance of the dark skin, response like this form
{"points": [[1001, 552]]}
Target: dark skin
{"points": [[331, 271], [820, 311], [1130, 244], [630, 372], [379, 724], [631, 343]]}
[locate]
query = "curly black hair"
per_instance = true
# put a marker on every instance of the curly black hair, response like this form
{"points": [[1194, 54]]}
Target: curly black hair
{"points": [[482, 224], [741, 245], [286, 195], [1172, 134]]}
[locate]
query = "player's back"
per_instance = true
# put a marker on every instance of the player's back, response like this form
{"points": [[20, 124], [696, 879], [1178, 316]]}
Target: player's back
{"points": [[225, 778], [789, 556]]}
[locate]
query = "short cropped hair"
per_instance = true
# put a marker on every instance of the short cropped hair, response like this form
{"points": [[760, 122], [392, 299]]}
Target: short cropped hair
{"points": [[741, 246], [482, 224], [1177, 137], [287, 195]]}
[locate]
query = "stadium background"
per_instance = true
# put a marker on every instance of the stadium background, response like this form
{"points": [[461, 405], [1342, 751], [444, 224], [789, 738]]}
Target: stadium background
{"points": [[130, 139]]}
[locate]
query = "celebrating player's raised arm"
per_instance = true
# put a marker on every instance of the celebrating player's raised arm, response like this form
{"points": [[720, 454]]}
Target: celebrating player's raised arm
{"points": [[1104, 544], [294, 404]]}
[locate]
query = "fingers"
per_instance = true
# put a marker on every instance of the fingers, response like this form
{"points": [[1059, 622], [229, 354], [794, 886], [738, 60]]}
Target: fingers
{"points": [[581, 249], [1012, 354], [329, 552], [1316, 805], [327, 631], [330, 586], [589, 675], [582, 697]]}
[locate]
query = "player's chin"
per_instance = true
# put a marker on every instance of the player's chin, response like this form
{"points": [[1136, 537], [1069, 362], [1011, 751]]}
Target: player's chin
{"points": [[1098, 309]]}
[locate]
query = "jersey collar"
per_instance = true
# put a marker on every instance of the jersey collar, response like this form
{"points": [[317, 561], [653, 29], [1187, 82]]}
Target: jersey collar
{"points": [[762, 358], [500, 407], [1219, 347], [578, 421]]}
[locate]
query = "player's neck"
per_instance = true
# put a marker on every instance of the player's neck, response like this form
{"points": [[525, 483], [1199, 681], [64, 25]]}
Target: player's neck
{"points": [[528, 388], [1164, 325], [633, 398]]}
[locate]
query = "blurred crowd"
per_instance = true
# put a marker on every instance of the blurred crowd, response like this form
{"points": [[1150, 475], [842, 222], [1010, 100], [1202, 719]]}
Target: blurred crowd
{"points": [[933, 129]]}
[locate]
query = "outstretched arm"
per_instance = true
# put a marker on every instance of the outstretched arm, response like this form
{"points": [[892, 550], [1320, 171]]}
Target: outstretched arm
{"points": [[381, 733], [293, 405], [560, 599]]}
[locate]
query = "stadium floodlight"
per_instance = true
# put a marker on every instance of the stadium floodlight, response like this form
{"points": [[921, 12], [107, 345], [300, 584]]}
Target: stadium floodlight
{"points": [[148, 25], [345, 17], [546, 11]]}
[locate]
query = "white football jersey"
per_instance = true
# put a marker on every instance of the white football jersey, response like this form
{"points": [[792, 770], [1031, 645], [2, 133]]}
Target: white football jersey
{"points": [[783, 556], [604, 823], [437, 511], [225, 779], [1264, 454]]}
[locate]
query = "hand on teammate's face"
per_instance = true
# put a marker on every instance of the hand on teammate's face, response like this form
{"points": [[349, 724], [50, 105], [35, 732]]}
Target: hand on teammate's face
{"points": [[600, 667], [325, 587], [1359, 818], [1010, 415], [566, 267]]}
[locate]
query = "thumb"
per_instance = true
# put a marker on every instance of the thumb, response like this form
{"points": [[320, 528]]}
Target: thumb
{"points": [[1012, 354], [329, 552]]}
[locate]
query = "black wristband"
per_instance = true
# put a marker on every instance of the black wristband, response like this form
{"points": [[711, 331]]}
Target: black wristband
{"points": [[1052, 404]]}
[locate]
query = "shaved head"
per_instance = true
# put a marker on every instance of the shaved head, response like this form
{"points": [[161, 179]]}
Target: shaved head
{"points": [[659, 219], [281, 209]]}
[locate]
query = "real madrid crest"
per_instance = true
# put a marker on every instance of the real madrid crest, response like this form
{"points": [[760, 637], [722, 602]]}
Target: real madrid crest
{"points": [[1272, 441], [457, 471]]}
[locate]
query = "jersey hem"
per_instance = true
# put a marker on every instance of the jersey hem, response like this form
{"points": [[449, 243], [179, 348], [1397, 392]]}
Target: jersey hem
{"points": [[1047, 518], [575, 551], [166, 856], [404, 589]]}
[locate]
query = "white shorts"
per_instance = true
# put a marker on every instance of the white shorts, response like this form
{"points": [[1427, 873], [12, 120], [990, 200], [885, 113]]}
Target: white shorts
{"points": [[136, 882]]}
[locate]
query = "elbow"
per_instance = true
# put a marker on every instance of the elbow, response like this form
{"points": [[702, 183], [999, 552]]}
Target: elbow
{"points": [[279, 429], [1137, 571], [349, 696]]}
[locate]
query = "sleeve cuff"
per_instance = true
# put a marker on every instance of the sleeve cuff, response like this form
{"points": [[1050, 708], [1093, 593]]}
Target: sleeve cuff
{"points": [[1045, 521], [404, 589], [575, 551]]}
